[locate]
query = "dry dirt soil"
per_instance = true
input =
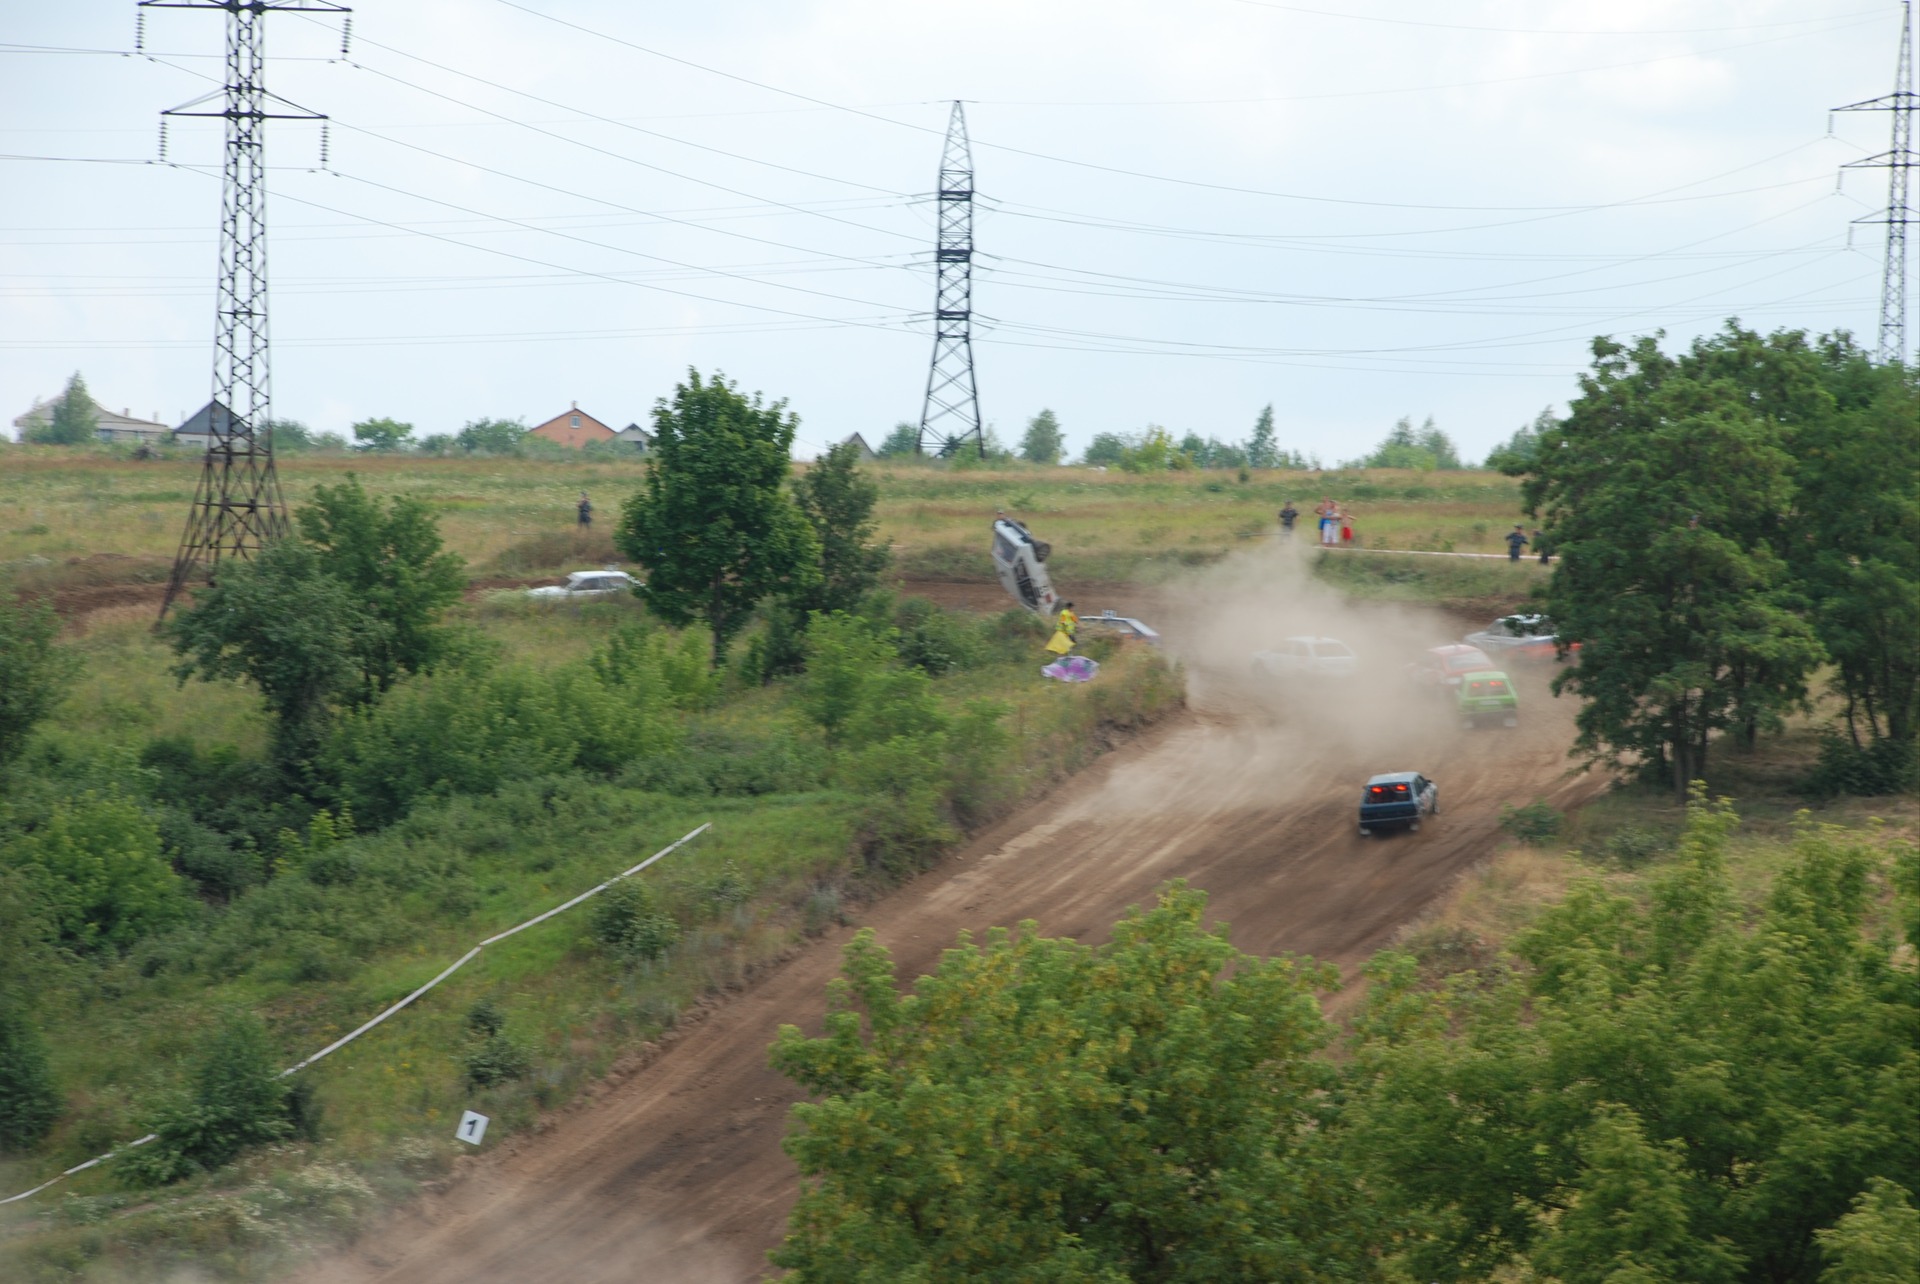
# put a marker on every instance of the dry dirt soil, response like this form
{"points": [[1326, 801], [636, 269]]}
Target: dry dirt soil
{"points": [[676, 1174]]}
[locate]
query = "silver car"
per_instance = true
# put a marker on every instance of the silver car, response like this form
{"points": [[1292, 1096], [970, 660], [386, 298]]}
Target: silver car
{"points": [[1528, 637], [1303, 656], [584, 586]]}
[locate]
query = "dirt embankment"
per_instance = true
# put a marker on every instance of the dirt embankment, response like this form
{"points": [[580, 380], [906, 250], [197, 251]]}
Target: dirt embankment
{"points": [[677, 1174]]}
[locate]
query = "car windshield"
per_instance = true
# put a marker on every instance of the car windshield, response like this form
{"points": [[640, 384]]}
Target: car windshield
{"points": [[1467, 662]]}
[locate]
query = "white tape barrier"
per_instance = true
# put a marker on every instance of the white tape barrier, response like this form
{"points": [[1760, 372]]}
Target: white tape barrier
{"points": [[342, 1042], [1423, 552]]}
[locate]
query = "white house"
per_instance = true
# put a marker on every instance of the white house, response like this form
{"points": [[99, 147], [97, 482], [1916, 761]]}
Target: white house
{"points": [[107, 425]]}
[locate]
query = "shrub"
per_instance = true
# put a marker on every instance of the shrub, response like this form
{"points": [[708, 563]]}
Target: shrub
{"points": [[628, 924], [728, 762], [29, 1101], [97, 861], [937, 641], [495, 1060], [236, 1099], [34, 672], [486, 1019], [1883, 766], [1633, 847], [1534, 823]]}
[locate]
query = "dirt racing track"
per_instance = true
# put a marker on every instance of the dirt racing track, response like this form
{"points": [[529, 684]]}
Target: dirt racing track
{"points": [[677, 1173]]}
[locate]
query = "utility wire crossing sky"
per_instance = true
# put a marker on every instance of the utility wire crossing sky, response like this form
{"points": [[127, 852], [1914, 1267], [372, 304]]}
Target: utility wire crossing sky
{"points": [[1351, 211]]}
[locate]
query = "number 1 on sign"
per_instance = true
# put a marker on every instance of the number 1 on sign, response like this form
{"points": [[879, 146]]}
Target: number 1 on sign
{"points": [[473, 1126]]}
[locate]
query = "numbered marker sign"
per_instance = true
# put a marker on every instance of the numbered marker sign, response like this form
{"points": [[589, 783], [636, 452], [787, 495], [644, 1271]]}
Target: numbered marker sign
{"points": [[473, 1126]]}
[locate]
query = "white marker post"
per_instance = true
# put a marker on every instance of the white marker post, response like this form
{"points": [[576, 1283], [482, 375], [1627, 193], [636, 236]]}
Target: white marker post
{"points": [[473, 1126]]}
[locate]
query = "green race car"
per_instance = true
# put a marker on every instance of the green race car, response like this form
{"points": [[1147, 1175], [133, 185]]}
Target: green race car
{"points": [[1488, 696]]}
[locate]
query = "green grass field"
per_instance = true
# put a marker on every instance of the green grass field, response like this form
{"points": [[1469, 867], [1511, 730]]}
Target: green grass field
{"points": [[122, 517]]}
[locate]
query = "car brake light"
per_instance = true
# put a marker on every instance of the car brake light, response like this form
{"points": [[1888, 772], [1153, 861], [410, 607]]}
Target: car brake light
{"points": [[1399, 789], [1378, 790]]}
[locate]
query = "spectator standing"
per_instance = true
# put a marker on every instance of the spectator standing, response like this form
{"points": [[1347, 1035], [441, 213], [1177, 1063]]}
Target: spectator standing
{"points": [[1516, 541], [585, 509], [1288, 516]]}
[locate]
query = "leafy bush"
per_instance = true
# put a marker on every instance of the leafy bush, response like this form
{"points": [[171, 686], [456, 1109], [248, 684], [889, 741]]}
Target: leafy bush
{"points": [[495, 1060], [729, 762], [1534, 823], [1884, 766], [937, 641], [1633, 847], [34, 673], [627, 923], [29, 1101], [235, 1099], [469, 731], [97, 862]]}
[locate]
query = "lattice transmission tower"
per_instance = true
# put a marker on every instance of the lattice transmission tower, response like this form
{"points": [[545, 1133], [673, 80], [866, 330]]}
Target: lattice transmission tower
{"points": [[950, 416], [237, 506], [1899, 161]]}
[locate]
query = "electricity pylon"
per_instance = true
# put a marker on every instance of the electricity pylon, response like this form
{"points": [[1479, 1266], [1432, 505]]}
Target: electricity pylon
{"points": [[237, 507], [950, 416], [1899, 161]]}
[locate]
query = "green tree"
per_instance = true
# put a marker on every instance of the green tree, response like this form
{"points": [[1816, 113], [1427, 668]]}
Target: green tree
{"points": [[34, 673], [491, 436], [391, 559], [299, 634], [1624, 1221], [1106, 449], [846, 655], [97, 864], [1515, 456], [1404, 448], [1878, 1242], [1665, 492], [29, 1098], [1440, 446], [837, 500], [290, 435], [235, 1100], [1039, 1109], [72, 419], [713, 523], [381, 436], [902, 441], [1643, 1080], [1855, 535], [1043, 442], [1262, 452]]}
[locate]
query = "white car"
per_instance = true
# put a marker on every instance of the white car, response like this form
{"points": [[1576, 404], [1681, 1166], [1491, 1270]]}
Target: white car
{"points": [[1319, 657], [582, 586], [1527, 637]]}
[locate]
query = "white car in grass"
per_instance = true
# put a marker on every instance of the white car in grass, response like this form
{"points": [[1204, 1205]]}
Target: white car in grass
{"points": [[1307, 657], [586, 586]]}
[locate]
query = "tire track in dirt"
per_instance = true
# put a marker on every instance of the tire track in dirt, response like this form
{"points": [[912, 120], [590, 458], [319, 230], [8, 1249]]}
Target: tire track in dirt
{"points": [[677, 1175]]}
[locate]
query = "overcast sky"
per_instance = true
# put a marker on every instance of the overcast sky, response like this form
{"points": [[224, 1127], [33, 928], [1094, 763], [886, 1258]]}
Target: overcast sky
{"points": [[1352, 209]]}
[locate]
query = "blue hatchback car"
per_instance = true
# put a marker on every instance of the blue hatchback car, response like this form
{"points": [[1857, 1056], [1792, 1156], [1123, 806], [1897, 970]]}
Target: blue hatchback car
{"points": [[1397, 800]]}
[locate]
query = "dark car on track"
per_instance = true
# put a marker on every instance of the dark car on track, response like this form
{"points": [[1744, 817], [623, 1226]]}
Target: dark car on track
{"points": [[1397, 800]]}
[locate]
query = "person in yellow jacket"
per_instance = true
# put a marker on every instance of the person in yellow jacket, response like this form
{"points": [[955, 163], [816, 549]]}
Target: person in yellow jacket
{"points": [[1066, 630]]}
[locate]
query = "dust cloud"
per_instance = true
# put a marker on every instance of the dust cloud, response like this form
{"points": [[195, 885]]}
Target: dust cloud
{"points": [[1266, 740]]}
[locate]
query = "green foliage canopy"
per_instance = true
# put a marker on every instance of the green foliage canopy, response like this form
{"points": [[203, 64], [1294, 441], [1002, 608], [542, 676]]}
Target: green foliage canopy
{"points": [[1663, 491], [838, 500], [97, 865], [902, 441], [29, 1099], [713, 523], [1262, 451], [34, 672], [1038, 1109], [491, 436], [1661, 1092], [1043, 442], [381, 436], [72, 419], [390, 557]]}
